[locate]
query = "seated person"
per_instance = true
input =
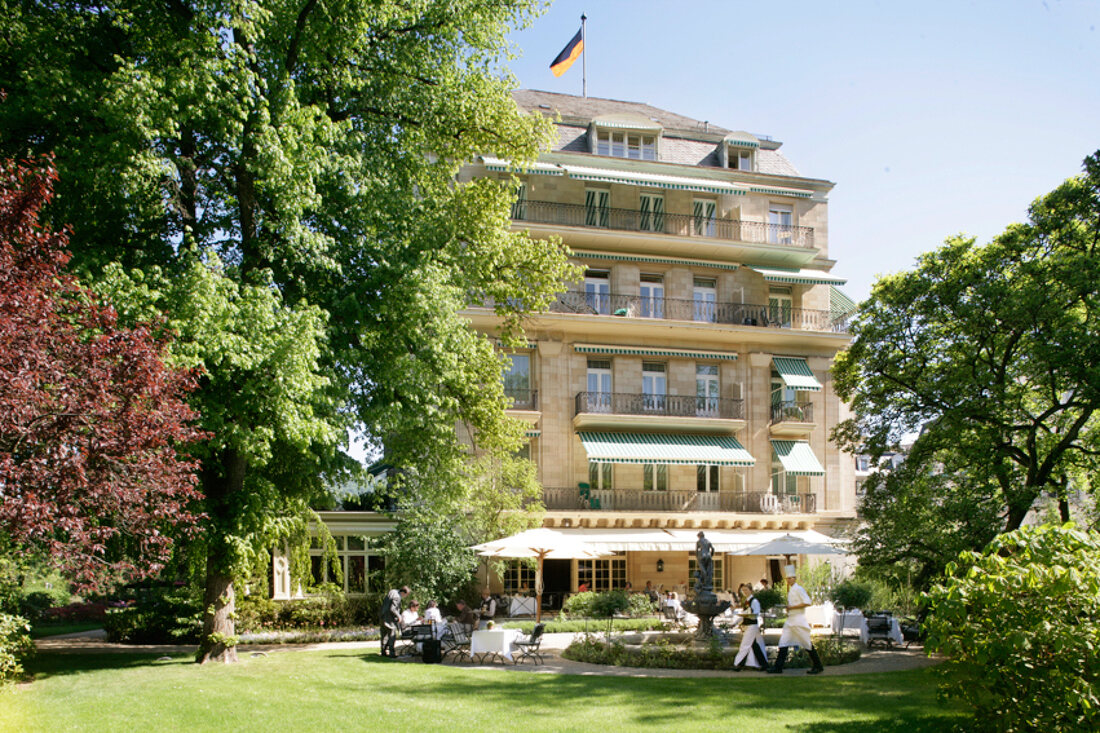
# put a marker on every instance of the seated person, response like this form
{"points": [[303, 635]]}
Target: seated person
{"points": [[410, 615], [466, 615], [432, 614], [673, 601], [650, 591]]}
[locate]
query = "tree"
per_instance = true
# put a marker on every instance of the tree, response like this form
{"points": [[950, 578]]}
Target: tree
{"points": [[993, 351], [314, 150], [91, 418], [1019, 627]]}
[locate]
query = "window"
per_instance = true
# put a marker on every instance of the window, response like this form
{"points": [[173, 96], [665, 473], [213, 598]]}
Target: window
{"points": [[517, 382], [654, 387], [519, 206], [704, 217], [706, 390], [604, 574], [787, 403], [654, 477], [652, 293], [519, 576], [780, 307], [599, 385], [360, 567], [782, 482], [719, 571], [619, 144], [740, 159], [780, 223], [651, 210], [705, 297], [597, 207], [600, 475], [597, 292], [706, 478]]}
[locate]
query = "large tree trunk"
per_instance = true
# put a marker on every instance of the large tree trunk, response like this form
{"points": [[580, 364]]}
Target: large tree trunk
{"points": [[223, 481]]}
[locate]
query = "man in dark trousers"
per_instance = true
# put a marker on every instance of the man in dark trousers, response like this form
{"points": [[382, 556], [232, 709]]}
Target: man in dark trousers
{"points": [[391, 620]]}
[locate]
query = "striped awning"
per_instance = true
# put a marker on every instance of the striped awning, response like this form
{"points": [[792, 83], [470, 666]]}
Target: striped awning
{"points": [[654, 260], [655, 180], [653, 351], [776, 191], [796, 373], [742, 140], [628, 122], [798, 277], [797, 457], [497, 164], [720, 450], [840, 305]]}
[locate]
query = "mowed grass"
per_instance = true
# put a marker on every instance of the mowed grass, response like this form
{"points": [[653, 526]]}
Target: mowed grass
{"points": [[358, 690]]}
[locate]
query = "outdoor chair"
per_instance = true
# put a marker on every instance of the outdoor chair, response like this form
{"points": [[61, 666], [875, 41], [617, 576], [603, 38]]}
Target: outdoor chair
{"points": [[412, 637], [529, 648], [456, 641], [670, 614], [587, 500], [878, 630]]}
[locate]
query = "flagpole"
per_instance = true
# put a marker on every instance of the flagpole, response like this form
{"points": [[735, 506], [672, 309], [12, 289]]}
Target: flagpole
{"points": [[584, 58]]}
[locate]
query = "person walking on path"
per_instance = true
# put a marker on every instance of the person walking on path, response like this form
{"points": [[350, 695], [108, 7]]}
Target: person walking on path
{"points": [[796, 630], [391, 620], [752, 650]]}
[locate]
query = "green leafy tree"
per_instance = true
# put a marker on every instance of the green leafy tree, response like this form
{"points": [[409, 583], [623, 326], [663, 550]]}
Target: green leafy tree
{"points": [[309, 152], [993, 352], [1019, 626]]}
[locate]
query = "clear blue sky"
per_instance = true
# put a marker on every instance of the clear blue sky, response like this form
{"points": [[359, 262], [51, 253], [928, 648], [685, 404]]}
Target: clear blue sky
{"points": [[932, 118]]}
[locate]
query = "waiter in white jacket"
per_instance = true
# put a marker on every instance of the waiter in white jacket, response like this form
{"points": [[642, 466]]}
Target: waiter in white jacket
{"points": [[796, 631], [752, 651]]}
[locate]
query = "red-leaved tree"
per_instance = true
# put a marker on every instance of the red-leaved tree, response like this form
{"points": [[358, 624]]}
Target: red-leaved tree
{"points": [[90, 416]]}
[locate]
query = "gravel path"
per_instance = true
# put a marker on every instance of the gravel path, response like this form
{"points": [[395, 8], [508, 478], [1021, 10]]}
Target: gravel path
{"points": [[873, 661]]}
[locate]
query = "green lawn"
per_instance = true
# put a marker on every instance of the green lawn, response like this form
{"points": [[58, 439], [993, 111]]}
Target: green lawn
{"points": [[39, 631], [358, 690]]}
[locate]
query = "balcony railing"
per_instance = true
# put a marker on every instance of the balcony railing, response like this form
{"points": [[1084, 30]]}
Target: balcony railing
{"points": [[742, 314], [523, 399], [792, 412], [620, 403], [683, 225], [748, 502]]}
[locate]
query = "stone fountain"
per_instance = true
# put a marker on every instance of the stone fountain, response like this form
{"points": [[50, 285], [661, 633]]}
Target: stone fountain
{"points": [[705, 605]]}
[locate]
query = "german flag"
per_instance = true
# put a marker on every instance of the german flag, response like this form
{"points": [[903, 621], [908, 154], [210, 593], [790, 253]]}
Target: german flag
{"points": [[568, 55]]}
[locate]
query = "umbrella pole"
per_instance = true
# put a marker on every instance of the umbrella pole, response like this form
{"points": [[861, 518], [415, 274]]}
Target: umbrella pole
{"points": [[538, 591]]}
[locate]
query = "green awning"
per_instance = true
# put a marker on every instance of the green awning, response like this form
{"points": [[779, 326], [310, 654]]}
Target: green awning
{"points": [[654, 260], [840, 305], [774, 191], [797, 458], [648, 351], [796, 373], [742, 140], [499, 165], [798, 277], [682, 450], [654, 180]]}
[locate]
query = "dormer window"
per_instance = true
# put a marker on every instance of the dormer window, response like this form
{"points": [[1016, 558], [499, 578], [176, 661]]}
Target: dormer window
{"points": [[740, 159], [738, 151], [625, 144]]}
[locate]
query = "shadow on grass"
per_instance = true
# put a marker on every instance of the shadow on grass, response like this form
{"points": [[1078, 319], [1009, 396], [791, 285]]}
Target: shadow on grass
{"points": [[896, 702], [43, 666]]}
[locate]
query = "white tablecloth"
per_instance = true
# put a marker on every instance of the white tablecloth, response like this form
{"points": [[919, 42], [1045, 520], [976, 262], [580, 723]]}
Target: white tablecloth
{"points": [[521, 606], [494, 641], [895, 631], [851, 620]]}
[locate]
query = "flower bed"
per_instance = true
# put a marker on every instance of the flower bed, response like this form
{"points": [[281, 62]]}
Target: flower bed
{"points": [[316, 636], [663, 653]]}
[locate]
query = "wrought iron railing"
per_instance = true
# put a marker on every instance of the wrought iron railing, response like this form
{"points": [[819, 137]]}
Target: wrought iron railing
{"points": [[523, 399], [743, 314], [792, 412], [748, 502], [683, 225], [622, 403]]}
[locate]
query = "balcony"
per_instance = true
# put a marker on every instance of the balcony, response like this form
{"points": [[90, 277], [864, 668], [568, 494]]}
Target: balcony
{"points": [[523, 399], [678, 225], [618, 500], [680, 413], [741, 314], [791, 418]]}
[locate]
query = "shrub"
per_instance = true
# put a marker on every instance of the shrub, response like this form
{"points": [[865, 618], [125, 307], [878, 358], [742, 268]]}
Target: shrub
{"points": [[770, 598], [75, 613], [15, 646], [609, 603], [664, 654], [156, 615], [327, 611], [592, 625], [1020, 627], [852, 594]]}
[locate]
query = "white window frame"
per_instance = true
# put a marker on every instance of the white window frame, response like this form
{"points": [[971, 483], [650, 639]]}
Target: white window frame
{"points": [[597, 207], [599, 384], [654, 386], [655, 477], [626, 144], [707, 390], [704, 217], [707, 478], [780, 307], [780, 223], [372, 579], [740, 159], [704, 295], [652, 296], [597, 291], [651, 212], [519, 370], [601, 475]]}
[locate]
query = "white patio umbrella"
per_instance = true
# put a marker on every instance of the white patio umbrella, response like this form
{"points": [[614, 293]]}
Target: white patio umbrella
{"points": [[541, 544], [788, 545]]}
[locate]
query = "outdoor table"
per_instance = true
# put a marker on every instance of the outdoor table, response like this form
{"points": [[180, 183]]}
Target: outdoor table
{"points": [[522, 606], [851, 620], [495, 642], [895, 632]]}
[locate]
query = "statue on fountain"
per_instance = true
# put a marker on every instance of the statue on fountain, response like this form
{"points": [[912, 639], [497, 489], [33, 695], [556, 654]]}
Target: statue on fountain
{"points": [[704, 560], [705, 605]]}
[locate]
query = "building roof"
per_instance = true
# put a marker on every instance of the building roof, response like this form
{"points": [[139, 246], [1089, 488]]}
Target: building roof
{"points": [[591, 107]]}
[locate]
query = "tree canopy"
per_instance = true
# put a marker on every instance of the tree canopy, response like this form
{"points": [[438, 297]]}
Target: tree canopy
{"points": [[307, 151], [992, 352], [91, 418]]}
